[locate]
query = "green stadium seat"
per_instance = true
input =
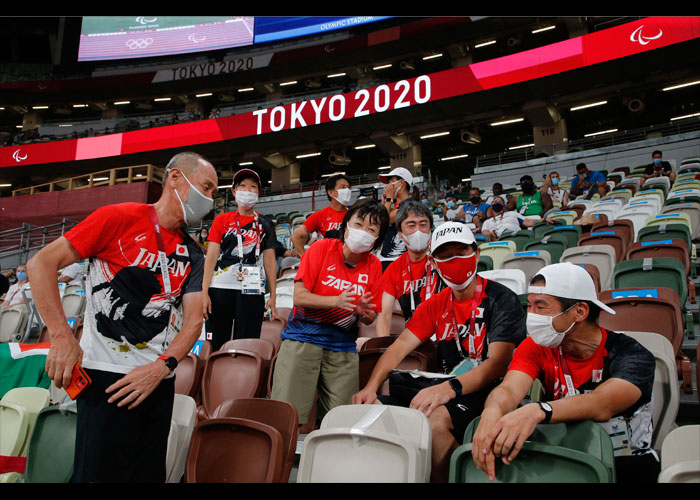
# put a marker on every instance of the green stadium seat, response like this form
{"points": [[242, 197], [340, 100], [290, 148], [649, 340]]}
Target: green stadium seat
{"points": [[554, 243], [577, 452], [497, 250], [52, 446], [570, 232], [520, 238]]}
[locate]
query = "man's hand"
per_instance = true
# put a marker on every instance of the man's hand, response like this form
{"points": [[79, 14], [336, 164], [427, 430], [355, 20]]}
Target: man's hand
{"points": [[482, 442], [64, 354], [390, 191], [206, 305], [138, 384], [272, 306], [364, 397], [430, 398]]}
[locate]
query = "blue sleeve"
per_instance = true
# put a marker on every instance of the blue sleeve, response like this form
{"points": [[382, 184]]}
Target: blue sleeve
{"points": [[574, 182], [597, 177]]}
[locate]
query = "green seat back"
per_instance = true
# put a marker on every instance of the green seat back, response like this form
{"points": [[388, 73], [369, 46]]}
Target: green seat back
{"points": [[665, 232], [652, 273], [52, 447], [485, 263], [520, 238], [573, 452], [571, 233], [554, 243]]}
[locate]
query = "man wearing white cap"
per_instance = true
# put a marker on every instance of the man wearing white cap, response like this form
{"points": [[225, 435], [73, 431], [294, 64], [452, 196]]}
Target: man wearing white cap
{"points": [[587, 373], [489, 322], [399, 183]]}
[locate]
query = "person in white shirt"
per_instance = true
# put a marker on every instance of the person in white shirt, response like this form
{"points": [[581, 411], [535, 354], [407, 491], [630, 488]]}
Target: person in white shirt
{"points": [[551, 187], [14, 297], [73, 274], [503, 221]]}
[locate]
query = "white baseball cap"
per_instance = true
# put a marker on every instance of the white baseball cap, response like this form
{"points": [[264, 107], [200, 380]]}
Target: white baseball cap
{"points": [[397, 172], [451, 232], [568, 281]]}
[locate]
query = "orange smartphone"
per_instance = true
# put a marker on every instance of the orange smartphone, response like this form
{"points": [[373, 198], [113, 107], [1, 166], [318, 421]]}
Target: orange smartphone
{"points": [[79, 382]]}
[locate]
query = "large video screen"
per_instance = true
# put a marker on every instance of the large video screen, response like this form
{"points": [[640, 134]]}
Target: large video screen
{"points": [[123, 37], [270, 29]]}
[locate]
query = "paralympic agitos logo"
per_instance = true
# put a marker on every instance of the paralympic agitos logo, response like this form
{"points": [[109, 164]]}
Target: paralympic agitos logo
{"points": [[638, 37]]}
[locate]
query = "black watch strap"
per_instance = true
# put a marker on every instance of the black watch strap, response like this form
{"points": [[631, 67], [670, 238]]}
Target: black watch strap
{"points": [[547, 409], [170, 362], [456, 386]]}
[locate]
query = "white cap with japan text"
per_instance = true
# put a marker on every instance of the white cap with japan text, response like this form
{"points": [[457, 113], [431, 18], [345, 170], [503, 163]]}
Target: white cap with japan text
{"points": [[451, 232], [568, 281]]}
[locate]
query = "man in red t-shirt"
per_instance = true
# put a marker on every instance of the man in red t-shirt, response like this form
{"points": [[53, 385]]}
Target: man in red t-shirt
{"points": [[587, 373], [477, 324], [143, 270], [326, 219], [410, 279]]}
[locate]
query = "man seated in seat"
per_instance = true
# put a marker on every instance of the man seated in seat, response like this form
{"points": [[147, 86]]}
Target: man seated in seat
{"points": [[658, 168], [489, 323], [531, 200], [587, 373], [504, 221], [588, 182]]}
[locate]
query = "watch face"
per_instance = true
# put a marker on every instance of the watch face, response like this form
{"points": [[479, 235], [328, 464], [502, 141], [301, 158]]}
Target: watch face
{"points": [[547, 406]]}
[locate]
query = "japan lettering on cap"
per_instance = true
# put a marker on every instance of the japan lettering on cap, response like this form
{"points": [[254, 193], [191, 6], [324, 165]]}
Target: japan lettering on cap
{"points": [[451, 232]]}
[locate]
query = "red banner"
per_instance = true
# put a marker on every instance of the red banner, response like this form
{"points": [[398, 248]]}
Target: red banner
{"points": [[607, 45]]}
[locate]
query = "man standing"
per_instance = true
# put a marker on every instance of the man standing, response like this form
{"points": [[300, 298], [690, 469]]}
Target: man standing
{"points": [[587, 373], [410, 279], [327, 219], [478, 324], [143, 269], [399, 183]]}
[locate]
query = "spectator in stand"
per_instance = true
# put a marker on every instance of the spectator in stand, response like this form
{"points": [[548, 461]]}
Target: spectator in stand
{"points": [[327, 219], [587, 373], [240, 260], [530, 201], [410, 279], [587, 182], [478, 324], [658, 167], [551, 187], [143, 267], [497, 190], [14, 297], [504, 221], [452, 209], [398, 186], [338, 283], [73, 274], [475, 211]]}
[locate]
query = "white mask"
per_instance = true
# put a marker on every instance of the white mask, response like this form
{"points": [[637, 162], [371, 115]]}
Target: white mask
{"points": [[542, 331], [246, 198], [418, 241], [344, 195], [359, 241]]}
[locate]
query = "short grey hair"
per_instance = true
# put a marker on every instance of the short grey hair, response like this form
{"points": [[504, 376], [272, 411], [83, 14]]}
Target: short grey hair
{"points": [[412, 206], [187, 162]]}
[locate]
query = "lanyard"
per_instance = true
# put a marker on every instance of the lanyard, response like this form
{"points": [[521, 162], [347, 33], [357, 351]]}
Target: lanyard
{"points": [[570, 389], [476, 300], [162, 257], [259, 230], [428, 280]]}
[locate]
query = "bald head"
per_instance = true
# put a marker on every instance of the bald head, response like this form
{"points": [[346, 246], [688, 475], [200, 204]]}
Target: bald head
{"points": [[187, 163]]}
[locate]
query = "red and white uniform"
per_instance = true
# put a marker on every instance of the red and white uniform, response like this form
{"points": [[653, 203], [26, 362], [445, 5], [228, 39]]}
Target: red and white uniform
{"points": [[128, 304], [324, 220]]}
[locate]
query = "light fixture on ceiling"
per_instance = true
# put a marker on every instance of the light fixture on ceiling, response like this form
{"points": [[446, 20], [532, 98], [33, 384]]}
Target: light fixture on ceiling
{"points": [[609, 131], [506, 122], [681, 85], [437, 134], [584, 106]]}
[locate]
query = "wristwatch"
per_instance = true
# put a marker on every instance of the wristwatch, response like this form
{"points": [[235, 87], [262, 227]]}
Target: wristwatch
{"points": [[170, 362], [456, 386], [547, 409], [389, 200]]}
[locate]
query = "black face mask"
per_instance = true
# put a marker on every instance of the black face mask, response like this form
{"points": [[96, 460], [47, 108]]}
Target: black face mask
{"points": [[528, 187], [497, 207], [475, 200]]}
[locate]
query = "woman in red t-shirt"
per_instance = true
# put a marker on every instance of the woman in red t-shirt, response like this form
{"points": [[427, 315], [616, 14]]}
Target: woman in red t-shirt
{"points": [[240, 258], [338, 284]]}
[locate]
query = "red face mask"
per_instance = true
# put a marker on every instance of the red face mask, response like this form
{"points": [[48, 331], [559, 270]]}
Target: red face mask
{"points": [[457, 271]]}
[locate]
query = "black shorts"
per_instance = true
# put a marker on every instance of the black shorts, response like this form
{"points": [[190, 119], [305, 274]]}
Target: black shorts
{"points": [[116, 445], [234, 315]]}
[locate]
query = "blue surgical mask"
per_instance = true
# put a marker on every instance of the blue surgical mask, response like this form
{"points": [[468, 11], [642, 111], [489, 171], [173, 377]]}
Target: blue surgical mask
{"points": [[21, 276], [451, 204], [657, 160], [424, 201], [555, 181]]}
